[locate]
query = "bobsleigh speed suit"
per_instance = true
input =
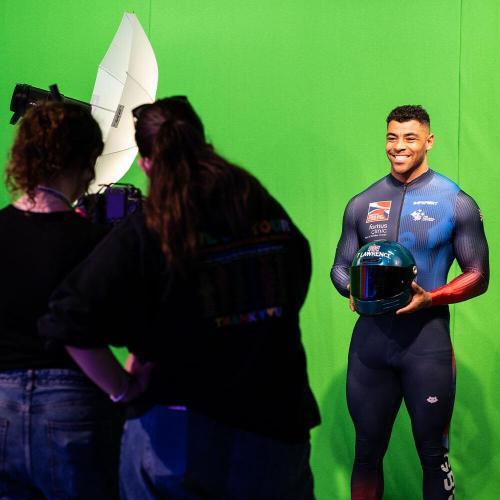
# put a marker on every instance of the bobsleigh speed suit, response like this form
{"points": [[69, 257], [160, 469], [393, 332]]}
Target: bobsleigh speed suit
{"points": [[409, 356]]}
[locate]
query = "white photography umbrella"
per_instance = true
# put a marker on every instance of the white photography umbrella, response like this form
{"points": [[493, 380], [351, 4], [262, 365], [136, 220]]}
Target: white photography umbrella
{"points": [[126, 78]]}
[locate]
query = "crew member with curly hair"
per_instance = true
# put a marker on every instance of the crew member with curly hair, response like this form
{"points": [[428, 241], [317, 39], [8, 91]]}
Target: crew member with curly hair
{"points": [[57, 429]]}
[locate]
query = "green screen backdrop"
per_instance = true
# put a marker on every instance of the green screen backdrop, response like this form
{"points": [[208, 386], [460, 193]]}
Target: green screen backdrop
{"points": [[297, 92]]}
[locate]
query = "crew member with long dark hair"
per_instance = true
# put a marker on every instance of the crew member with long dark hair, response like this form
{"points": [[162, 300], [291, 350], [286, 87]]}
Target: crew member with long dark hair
{"points": [[58, 437], [206, 286]]}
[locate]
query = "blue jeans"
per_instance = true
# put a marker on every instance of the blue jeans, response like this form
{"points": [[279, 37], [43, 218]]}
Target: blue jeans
{"points": [[59, 437], [169, 454]]}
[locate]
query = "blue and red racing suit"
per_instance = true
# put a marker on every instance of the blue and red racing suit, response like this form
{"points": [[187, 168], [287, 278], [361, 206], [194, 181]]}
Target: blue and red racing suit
{"points": [[410, 356]]}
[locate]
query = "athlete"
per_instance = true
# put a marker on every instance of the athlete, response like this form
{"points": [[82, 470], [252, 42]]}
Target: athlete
{"points": [[408, 353]]}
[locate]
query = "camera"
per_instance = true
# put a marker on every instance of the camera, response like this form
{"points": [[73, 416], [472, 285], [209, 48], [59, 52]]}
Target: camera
{"points": [[111, 204]]}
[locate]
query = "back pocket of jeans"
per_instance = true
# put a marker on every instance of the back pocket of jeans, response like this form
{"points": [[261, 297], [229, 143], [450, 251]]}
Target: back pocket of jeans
{"points": [[83, 459]]}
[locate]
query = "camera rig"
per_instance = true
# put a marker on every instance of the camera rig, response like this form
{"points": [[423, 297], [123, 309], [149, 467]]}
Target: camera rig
{"points": [[111, 203]]}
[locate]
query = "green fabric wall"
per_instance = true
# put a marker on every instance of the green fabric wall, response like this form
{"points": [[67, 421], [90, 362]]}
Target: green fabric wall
{"points": [[297, 92]]}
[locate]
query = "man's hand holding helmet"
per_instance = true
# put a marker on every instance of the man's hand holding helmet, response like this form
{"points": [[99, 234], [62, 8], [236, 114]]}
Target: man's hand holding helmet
{"points": [[419, 300]]}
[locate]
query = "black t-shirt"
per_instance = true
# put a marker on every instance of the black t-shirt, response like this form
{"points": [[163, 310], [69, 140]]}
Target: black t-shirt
{"points": [[225, 336], [38, 250]]}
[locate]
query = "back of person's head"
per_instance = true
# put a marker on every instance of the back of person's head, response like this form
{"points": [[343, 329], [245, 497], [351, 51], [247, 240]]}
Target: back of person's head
{"points": [[409, 112], [192, 188], [53, 139], [168, 125]]}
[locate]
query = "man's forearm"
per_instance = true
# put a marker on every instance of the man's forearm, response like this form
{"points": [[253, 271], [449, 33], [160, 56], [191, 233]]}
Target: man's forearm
{"points": [[469, 284], [340, 279]]}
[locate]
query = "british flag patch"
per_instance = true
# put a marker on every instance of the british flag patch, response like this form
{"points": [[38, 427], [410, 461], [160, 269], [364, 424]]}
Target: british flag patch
{"points": [[378, 211]]}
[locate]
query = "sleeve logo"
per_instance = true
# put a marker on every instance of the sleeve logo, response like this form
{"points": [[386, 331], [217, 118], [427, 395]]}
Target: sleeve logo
{"points": [[378, 211]]}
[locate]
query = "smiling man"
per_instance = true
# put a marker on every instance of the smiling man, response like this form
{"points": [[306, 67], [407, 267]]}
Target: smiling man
{"points": [[407, 354], [407, 144]]}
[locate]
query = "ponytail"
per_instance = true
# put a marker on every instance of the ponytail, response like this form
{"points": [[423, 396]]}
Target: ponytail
{"points": [[192, 188]]}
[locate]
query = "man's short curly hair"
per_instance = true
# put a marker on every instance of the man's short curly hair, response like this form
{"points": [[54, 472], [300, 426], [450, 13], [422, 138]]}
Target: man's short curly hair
{"points": [[52, 139], [409, 112]]}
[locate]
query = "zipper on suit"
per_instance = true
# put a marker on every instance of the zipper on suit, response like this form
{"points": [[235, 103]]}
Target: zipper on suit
{"points": [[405, 187]]}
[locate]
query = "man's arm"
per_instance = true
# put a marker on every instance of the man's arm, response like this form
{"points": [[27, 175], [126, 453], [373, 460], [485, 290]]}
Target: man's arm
{"points": [[471, 251], [347, 247]]}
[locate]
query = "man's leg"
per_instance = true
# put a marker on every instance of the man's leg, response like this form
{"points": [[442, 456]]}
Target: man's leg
{"points": [[429, 390], [373, 397]]}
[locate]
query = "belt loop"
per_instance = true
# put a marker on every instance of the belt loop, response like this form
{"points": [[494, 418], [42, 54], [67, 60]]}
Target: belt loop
{"points": [[30, 380]]}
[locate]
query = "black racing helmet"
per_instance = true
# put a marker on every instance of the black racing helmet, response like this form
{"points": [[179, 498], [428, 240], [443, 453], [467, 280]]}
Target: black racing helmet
{"points": [[381, 276]]}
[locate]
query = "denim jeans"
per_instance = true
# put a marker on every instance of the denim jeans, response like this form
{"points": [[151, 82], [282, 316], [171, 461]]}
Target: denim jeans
{"points": [[59, 437], [170, 454]]}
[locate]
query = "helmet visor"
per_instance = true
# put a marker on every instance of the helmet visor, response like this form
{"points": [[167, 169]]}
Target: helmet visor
{"points": [[379, 282]]}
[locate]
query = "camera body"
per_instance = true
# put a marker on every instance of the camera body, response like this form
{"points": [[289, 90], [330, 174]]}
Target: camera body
{"points": [[111, 204]]}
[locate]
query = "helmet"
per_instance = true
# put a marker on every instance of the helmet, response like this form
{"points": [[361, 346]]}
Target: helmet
{"points": [[381, 276]]}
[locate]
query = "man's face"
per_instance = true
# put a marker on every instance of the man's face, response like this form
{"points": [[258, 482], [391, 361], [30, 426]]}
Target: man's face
{"points": [[406, 146]]}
